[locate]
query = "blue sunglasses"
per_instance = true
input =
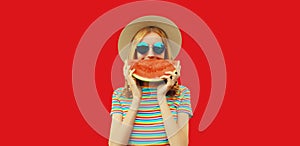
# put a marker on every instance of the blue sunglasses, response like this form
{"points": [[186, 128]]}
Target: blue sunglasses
{"points": [[143, 47]]}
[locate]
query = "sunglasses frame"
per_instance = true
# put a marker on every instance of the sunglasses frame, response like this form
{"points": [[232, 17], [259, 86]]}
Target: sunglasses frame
{"points": [[143, 47]]}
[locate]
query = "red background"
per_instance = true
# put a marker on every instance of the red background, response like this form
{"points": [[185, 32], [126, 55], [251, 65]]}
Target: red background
{"points": [[259, 40]]}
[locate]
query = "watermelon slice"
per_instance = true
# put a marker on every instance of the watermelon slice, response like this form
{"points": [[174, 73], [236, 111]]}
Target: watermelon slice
{"points": [[150, 69]]}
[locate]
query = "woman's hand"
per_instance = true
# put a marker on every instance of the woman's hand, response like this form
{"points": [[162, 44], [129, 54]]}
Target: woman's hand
{"points": [[131, 81], [171, 78]]}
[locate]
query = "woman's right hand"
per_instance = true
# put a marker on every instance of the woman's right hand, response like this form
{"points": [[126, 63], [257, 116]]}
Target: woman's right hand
{"points": [[131, 81]]}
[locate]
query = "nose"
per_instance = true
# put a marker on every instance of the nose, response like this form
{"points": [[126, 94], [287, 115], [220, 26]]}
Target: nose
{"points": [[150, 52]]}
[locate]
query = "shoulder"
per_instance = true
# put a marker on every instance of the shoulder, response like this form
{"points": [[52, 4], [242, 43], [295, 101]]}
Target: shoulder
{"points": [[184, 89], [117, 92], [183, 97]]}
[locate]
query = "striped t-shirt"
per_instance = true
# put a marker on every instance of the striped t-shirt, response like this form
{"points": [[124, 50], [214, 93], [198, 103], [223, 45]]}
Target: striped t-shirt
{"points": [[148, 127]]}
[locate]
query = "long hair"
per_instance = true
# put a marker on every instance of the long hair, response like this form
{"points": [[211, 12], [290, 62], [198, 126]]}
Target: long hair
{"points": [[133, 55]]}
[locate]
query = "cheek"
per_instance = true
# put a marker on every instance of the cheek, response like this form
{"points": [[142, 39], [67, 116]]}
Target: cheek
{"points": [[162, 55], [140, 56]]}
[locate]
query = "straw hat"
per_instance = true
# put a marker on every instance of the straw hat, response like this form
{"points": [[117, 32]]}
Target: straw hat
{"points": [[170, 28]]}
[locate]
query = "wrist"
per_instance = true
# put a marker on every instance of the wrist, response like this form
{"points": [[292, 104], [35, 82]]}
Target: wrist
{"points": [[161, 94], [161, 99], [135, 104], [136, 100], [136, 96]]}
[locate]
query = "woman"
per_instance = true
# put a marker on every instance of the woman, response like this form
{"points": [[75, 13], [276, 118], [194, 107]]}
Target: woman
{"points": [[146, 113]]}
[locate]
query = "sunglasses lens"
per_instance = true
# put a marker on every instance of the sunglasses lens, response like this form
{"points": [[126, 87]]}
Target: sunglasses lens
{"points": [[159, 48], [142, 48]]}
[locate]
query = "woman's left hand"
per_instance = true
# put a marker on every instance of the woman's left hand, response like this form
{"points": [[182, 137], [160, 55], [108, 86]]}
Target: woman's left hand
{"points": [[171, 78]]}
